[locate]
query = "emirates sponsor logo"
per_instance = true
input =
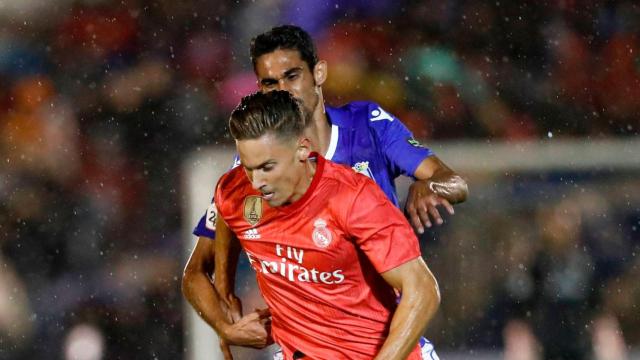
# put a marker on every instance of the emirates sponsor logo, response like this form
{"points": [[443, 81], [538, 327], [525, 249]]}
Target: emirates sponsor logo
{"points": [[291, 267]]}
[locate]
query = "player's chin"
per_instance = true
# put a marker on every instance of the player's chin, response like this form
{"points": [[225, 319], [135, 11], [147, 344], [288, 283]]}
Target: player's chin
{"points": [[272, 200]]}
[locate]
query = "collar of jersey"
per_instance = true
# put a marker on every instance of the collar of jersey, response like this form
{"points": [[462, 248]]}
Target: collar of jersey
{"points": [[314, 183], [333, 143], [335, 118], [336, 115]]}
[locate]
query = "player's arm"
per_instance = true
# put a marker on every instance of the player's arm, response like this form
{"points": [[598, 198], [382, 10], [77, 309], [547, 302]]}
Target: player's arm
{"points": [[437, 185], [251, 330], [376, 225], [419, 302], [198, 288], [227, 250]]}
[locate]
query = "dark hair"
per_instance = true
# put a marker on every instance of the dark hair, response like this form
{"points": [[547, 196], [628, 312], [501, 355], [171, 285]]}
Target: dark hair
{"points": [[257, 114], [288, 37]]}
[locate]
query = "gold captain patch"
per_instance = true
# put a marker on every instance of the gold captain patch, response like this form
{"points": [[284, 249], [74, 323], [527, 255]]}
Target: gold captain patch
{"points": [[252, 209]]}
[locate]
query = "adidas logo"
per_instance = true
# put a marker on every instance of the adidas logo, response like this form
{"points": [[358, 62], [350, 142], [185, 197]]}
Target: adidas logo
{"points": [[251, 234]]}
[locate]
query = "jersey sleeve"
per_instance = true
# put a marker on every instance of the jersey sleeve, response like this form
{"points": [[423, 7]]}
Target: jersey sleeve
{"points": [[380, 230], [220, 197], [206, 226], [401, 150]]}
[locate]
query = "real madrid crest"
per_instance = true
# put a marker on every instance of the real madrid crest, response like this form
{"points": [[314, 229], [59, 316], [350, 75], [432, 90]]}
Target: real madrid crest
{"points": [[321, 235], [252, 209]]}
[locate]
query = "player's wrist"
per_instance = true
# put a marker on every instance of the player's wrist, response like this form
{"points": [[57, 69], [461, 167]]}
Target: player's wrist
{"points": [[425, 187], [453, 188], [225, 331]]}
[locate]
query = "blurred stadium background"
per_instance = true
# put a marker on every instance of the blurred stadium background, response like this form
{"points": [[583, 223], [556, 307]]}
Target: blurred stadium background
{"points": [[112, 123]]}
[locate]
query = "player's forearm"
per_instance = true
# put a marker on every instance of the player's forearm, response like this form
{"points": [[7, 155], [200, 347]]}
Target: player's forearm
{"points": [[227, 250], [226, 265], [419, 302], [441, 180], [449, 185], [199, 291]]}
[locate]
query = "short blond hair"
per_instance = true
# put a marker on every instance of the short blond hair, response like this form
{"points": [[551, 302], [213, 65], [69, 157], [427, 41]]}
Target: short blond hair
{"points": [[276, 112]]}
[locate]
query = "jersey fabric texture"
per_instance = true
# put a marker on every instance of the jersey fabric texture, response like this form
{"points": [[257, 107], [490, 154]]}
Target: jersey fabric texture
{"points": [[318, 260], [367, 138]]}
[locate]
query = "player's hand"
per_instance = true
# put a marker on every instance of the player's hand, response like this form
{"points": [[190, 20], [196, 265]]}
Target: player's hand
{"points": [[422, 206], [252, 330]]}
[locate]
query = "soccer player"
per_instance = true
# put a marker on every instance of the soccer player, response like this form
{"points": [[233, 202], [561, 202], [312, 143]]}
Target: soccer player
{"points": [[359, 134], [327, 245]]}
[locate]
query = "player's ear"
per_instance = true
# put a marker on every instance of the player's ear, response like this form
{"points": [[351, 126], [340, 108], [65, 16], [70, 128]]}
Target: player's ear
{"points": [[304, 148], [320, 72]]}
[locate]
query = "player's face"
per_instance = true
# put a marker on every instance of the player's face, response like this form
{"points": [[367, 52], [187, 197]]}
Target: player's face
{"points": [[275, 167], [285, 70]]}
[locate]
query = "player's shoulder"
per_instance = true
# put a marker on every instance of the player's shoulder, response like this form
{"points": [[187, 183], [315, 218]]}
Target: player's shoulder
{"points": [[359, 105], [233, 180], [344, 179], [359, 114]]}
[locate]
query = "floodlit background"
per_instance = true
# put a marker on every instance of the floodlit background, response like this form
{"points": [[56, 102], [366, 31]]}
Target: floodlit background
{"points": [[110, 109]]}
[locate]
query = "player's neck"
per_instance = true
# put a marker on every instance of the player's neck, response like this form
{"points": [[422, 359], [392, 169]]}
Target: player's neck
{"points": [[321, 129], [306, 179]]}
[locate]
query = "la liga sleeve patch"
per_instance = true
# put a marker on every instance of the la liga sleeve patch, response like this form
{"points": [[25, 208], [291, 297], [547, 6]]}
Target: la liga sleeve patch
{"points": [[415, 143], [210, 217]]}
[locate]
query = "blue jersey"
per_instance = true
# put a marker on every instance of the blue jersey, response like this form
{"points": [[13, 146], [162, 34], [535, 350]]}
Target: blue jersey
{"points": [[367, 138]]}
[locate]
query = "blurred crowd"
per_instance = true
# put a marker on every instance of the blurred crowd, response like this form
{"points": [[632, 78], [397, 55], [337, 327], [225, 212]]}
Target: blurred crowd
{"points": [[547, 270], [101, 100]]}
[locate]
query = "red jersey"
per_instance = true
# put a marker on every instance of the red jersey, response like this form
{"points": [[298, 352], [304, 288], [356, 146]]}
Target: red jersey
{"points": [[318, 260]]}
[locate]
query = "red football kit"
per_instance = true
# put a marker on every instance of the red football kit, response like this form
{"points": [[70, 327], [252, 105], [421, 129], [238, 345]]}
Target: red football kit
{"points": [[318, 260]]}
